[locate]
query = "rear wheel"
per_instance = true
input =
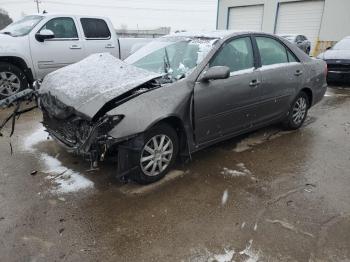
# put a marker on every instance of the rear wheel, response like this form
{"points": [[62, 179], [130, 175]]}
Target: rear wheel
{"points": [[157, 155], [297, 112], [12, 80]]}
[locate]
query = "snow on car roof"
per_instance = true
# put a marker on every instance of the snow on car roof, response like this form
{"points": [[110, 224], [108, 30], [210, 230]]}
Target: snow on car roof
{"points": [[208, 34]]}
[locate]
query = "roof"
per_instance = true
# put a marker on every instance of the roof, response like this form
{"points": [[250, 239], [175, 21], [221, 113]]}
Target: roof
{"points": [[208, 34], [49, 14]]}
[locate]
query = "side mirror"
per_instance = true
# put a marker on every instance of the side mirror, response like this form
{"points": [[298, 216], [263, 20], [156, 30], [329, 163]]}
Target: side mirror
{"points": [[216, 72], [328, 48], [44, 35]]}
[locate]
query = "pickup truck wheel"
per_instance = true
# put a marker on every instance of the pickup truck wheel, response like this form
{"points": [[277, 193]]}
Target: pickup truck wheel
{"points": [[297, 112], [12, 80], [157, 155]]}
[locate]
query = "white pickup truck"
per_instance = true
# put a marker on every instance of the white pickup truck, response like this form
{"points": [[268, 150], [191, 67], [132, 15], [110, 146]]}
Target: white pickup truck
{"points": [[39, 44]]}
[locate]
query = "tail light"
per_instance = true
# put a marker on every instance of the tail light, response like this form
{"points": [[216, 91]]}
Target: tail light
{"points": [[326, 70]]}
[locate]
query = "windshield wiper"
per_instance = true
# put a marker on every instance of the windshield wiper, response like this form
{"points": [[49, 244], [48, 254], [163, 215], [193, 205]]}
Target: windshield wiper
{"points": [[166, 61]]}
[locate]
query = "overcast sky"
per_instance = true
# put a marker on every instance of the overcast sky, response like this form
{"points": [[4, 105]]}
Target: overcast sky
{"points": [[178, 14]]}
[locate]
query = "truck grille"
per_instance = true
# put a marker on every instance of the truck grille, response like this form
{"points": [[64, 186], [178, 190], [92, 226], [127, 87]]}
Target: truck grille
{"points": [[335, 65]]}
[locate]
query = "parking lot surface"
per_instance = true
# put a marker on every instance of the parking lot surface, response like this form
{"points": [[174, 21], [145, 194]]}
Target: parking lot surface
{"points": [[270, 195]]}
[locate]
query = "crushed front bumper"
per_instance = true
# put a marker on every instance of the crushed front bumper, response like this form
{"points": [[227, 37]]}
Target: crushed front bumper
{"points": [[97, 145]]}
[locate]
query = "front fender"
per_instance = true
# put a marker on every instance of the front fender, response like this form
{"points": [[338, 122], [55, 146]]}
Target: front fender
{"points": [[149, 108]]}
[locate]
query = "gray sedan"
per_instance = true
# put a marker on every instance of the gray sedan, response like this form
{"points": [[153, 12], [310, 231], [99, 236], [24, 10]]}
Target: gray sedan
{"points": [[177, 95]]}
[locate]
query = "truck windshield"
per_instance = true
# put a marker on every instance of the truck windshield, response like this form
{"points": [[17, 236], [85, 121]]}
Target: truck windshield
{"points": [[175, 57], [22, 27]]}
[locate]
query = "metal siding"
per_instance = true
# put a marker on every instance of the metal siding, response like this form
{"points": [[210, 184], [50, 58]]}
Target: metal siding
{"points": [[300, 18], [245, 18]]}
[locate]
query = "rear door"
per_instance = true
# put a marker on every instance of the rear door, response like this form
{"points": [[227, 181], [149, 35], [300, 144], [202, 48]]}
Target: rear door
{"points": [[223, 107], [65, 49], [281, 75], [97, 36]]}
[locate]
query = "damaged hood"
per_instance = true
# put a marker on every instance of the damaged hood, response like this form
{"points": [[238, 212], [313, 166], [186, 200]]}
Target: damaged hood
{"points": [[89, 84]]}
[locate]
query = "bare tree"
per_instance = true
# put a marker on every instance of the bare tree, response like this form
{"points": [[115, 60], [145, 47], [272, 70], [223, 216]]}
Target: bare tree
{"points": [[5, 19]]}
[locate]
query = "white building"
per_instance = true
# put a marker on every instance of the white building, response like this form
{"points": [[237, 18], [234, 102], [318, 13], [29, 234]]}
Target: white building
{"points": [[322, 21]]}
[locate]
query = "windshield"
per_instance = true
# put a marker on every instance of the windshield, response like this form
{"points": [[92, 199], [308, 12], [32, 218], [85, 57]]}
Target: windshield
{"points": [[174, 57], [23, 26], [342, 45]]}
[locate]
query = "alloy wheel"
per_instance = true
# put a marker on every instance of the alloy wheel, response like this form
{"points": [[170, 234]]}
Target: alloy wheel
{"points": [[299, 110], [156, 155], [9, 83]]}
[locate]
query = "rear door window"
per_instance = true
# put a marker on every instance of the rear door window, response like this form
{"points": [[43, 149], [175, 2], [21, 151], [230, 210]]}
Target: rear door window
{"points": [[271, 51], [95, 28]]}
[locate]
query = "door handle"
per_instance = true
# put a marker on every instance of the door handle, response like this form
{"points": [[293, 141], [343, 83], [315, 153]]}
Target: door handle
{"points": [[75, 47], [109, 46], [298, 73], [254, 83]]}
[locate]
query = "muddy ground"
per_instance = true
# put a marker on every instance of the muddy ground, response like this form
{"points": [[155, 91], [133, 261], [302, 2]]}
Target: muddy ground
{"points": [[267, 196]]}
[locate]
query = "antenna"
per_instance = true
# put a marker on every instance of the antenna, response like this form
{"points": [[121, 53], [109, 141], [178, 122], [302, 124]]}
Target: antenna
{"points": [[37, 5]]}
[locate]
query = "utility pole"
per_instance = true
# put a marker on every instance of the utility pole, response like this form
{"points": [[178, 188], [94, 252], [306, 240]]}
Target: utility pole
{"points": [[37, 5]]}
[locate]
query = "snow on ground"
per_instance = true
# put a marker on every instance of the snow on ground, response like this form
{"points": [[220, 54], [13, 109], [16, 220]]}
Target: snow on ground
{"points": [[64, 180], [240, 171], [224, 197], [38, 136], [228, 255]]}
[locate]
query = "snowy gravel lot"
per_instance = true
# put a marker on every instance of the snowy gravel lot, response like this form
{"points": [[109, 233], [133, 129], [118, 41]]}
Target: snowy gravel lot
{"points": [[266, 196]]}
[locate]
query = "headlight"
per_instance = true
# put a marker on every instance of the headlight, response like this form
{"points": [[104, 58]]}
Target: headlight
{"points": [[114, 120]]}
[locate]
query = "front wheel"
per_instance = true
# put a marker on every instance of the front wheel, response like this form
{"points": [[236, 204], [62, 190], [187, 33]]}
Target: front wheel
{"points": [[12, 80], [157, 155], [297, 112]]}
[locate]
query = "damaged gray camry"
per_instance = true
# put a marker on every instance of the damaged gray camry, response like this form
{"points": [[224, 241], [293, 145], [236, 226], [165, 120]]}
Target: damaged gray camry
{"points": [[177, 95]]}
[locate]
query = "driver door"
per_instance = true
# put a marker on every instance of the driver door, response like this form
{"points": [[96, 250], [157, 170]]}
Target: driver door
{"points": [[65, 49], [224, 106]]}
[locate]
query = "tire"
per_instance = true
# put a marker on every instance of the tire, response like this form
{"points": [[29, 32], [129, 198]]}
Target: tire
{"points": [[148, 162], [297, 112], [12, 80]]}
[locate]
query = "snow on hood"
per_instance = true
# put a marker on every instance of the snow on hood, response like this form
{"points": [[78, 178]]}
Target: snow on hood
{"points": [[336, 54], [8, 43], [89, 84]]}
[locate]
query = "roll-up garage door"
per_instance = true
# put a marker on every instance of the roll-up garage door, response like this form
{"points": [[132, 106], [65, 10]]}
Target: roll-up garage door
{"points": [[302, 17], [246, 18]]}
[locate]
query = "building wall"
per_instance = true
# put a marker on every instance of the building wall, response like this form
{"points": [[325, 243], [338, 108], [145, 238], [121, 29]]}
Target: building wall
{"points": [[334, 26], [336, 20]]}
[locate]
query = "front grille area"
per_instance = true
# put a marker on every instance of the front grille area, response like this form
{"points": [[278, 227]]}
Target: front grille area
{"points": [[339, 65], [74, 131]]}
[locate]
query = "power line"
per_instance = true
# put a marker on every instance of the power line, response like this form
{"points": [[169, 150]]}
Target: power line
{"points": [[37, 5]]}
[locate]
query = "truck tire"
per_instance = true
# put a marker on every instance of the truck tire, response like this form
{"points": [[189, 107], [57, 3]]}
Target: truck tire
{"points": [[12, 80]]}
